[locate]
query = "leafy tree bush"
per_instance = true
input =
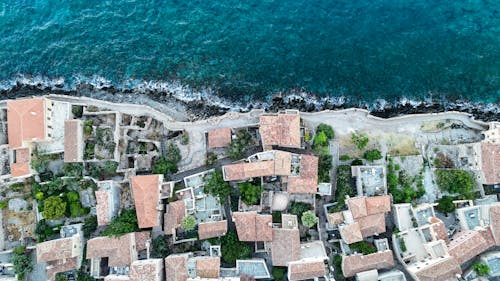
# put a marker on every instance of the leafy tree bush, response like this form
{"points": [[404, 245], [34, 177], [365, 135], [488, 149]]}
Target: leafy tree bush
{"points": [[232, 249], [344, 157], [279, 273], [22, 262], [83, 276], [298, 208], [402, 245], [456, 181], [61, 277], [363, 247], [89, 226], [238, 146], [126, 222], [216, 186], [250, 194], [87, 127], [401, 187], [445, 204], [360, 140], [173, 153], [162, 166], [72, 196], [320, 140], [480, 268], [185, 138], [73, 169], [344, 187], [43, 230], [77, 111], [4, 204], [326, 129], [188, 223], [160, 248], [77, 210], [357, 162], [309, 219], [54, 208], [372, 155], [276, 217], [324, 167]]}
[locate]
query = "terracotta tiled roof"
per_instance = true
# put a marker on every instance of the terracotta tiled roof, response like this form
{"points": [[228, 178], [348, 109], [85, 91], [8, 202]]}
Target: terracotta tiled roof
{"points": [[26, 121], [72, 140], [307, 181], [146, 196], [253, 227], [146, 270], [208, 230], [102, 207], [20, 169], [57, 266], [53, 250], [372, 224], [176, 211], [444, 270], [439, 229], [301, 270], [358, 263], [219, 137], [335, 218], [23, 155], [117, 278], [141, 238], [351, 233], [176, 268], [121, 251], [285, 246], [495, 222], [378, 204], [357, 206], [490, 156], [469, 244], [279, 166], [208, 267], [280, 129]]}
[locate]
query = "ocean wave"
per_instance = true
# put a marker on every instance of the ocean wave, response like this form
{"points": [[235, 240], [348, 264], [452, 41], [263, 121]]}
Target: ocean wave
{"points": [[208, 96]]}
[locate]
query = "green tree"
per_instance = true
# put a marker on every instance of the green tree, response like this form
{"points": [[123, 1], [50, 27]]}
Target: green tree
{"points": [[188, 223], [324, 167], [216, 186], [320, 140], [363, 247], [239, 146], [445, 204], [481, 269], [232, 249], [372, 155], [160, 248], [126, 222], [43, 230], [357, 162], [344, 186], [83, 276], [54, 208], [326, 129], [456, 181], [73, 169], [164, 167], [278, 272], [309, 219], [77, 210], [250, 194], [61, 277], [22, 262], [360, 140], [173, 153], [73, 196], [89, 226]]}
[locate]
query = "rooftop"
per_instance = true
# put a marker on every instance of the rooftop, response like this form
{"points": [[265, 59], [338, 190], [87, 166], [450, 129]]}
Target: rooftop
{"points": [[445, 268], [174, 214], [358, 263], [58, 249], [120, 251], [72, 141], [219, 137], [26, 121], [285, 246], [252, 226], [303, 270], [307, 181], [208, 230], [468, 244], [208, 267], [102, 207], [282, 129], [271, 163], [146, 270], [176, 267], [146, 196], [490, 156]]}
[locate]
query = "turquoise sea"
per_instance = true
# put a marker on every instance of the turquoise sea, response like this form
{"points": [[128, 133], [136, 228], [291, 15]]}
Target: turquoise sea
{"points": [[363, 50]]}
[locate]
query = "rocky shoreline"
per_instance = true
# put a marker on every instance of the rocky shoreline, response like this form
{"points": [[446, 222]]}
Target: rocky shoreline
{"points": [[200, 109]]}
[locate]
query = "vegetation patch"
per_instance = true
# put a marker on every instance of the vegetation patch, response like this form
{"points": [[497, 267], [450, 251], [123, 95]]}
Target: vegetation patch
{"points": [[215, 185], [126, 222], [404, 189], [456, 182], [250, 194], [238, 147], [344, 187], [233, 249]]}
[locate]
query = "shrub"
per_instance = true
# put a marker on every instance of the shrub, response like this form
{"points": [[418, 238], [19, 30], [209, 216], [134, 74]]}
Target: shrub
{"points": [[124, 223], [344, 187], [73, 169], [216, 186], [22, 262], [43, 230], [320, 140], [160, 248], [360, 140], [238, 146], [445, 204], [188, 223], [87, 127], [211, 159], [344, 157], [76, 209], [326, 129], [372, 155], [309, 219], [456, 181], [279, 272], [185, 138], [324, 167], [73, 196], [77, 111], [402, 245], [54, 208], [480, 268], [357, 162], [250, 194], [276, 216], [173, 153], [162, 166], [4, 204], [232, 249], [298, 208], [89, 226], [363, 247]]}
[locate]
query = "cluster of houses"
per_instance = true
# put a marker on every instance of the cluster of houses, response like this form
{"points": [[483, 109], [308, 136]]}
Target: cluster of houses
{"points": [[410, 235]]}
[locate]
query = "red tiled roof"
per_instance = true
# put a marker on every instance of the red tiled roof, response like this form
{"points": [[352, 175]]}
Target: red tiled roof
{"points": [[72, 139], [495, 222], [378, 204], [176, 268], [469, 244], [439, 229], [307, 181], [446, 269], [146, 197], [208, 267], [219, 137], [53, 250], [281, 129], [57, 266], [141, 238], [26, 121], [372, 224], [351, 233], [357, 206], [102, 207], [306, 270], [253, 227], [120, 251], [176, 211], [146, 270], [490, 156], [213, 229], [22, 165], [285, 246], [279, 166], [357, 263]]}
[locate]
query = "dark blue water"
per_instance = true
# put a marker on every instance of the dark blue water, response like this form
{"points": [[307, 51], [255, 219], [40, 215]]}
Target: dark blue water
{"points": [[363, 50]]}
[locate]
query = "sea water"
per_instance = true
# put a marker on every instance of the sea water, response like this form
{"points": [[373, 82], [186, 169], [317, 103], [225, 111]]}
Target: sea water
{"points": [[352, 50]]}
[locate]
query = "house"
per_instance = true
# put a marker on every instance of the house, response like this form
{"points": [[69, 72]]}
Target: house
{"points": [[282, 129], [61, 254], [304, 270], [146, 192], [218, 138], [253, 227], [307, 179], [212, 229], [107, 201], [174, 214], [358, 263], [147, 270], [264, 164], [370, 180], [176, 267], [490, 155], [73, 141], [208, 267], [285, 246]]}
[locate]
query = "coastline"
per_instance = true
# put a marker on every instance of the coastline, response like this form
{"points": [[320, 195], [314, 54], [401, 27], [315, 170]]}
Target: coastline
{"points": [[194, 105]]}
